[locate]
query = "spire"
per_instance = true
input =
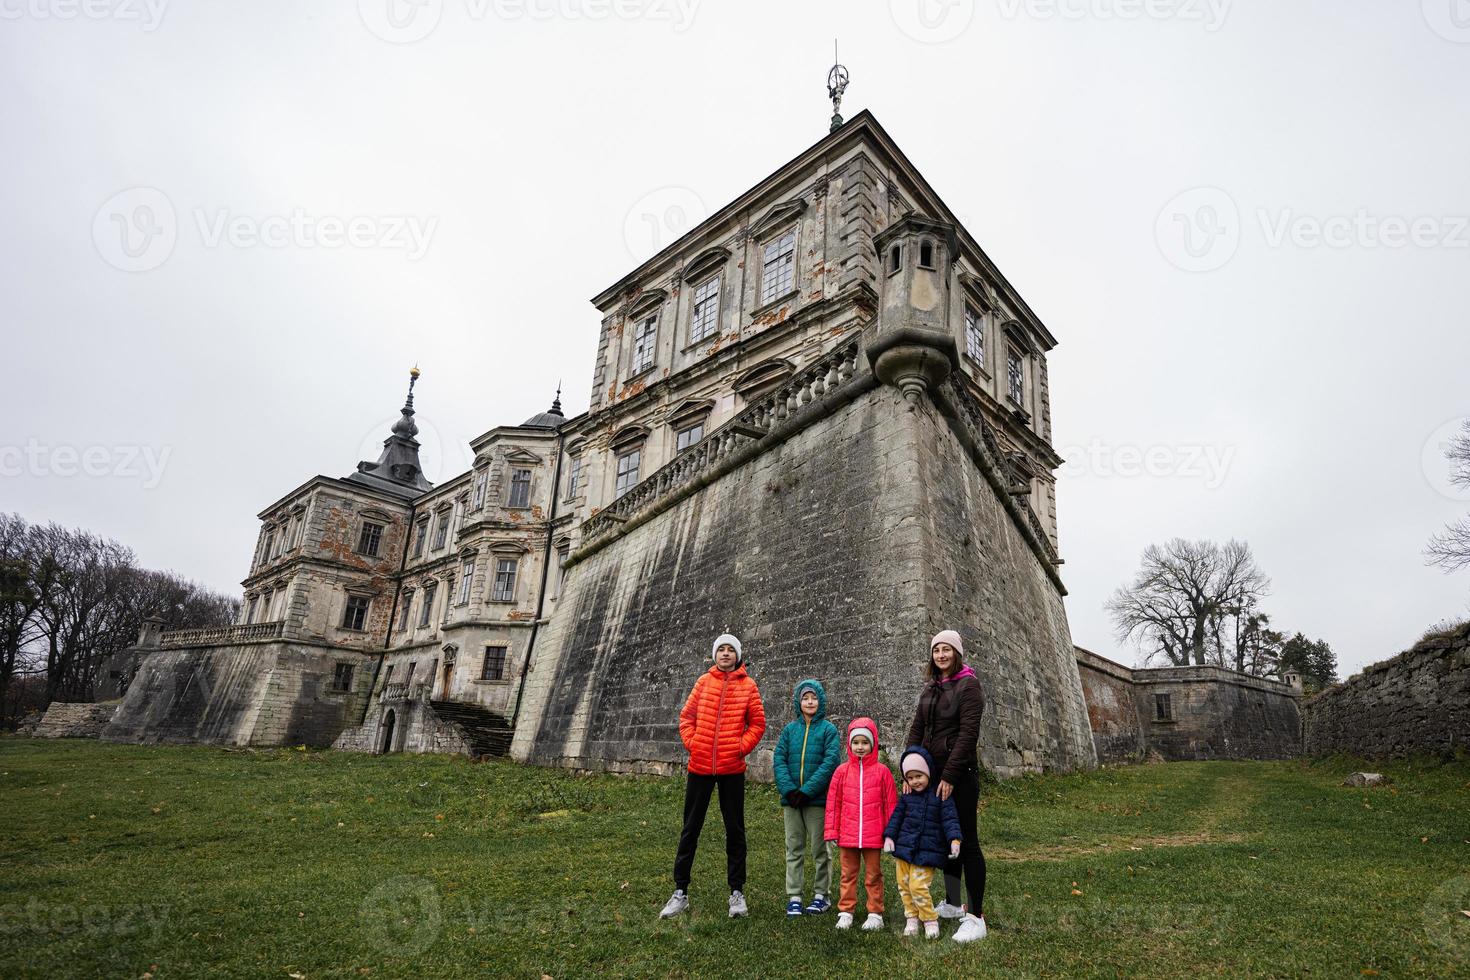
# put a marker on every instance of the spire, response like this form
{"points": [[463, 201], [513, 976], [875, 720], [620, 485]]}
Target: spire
{"points": [[556, 402], [397, 469], [837, 80]]}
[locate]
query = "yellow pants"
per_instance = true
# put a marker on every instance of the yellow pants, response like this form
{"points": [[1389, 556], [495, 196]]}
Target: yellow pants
{"points": [[913, 886]]}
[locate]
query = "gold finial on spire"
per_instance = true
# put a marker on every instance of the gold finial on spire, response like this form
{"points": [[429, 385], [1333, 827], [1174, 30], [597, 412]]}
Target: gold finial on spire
{"points": [[413, 372]]}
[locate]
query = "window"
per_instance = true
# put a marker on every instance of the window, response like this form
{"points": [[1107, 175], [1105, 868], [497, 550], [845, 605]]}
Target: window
{"points": [[342, 678], [270, 542], [250, 611], [562, 554], [369, 539], [494, 666], [466, 579], [388, 677], [441, 533], [895, 259], [420, 535], [688, 437], [407, 608], [480, 490], [428, 607], [278, 542], [644, 336], [974, 335], [411, 665], [520, 488], [704, 321], [505, 580], [627, 472], [1015, 376], [1163, 708], [354, 617], [778, 263], [574, 481], [448, 597], [926, 255]]}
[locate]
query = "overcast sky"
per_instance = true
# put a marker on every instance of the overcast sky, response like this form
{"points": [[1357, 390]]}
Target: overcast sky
{"points": [[232, 228]]}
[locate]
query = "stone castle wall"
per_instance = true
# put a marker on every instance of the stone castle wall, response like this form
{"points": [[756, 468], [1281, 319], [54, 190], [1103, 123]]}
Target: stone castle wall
{"points": [[247, 693], [1112, 708], [1418, 701], [835, 554]]}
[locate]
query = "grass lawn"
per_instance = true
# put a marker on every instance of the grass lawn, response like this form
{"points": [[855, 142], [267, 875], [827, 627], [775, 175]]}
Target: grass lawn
{"points": [[126, 861]]}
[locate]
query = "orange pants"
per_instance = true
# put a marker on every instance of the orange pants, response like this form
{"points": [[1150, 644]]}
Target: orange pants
{"points": [[872, 868]]}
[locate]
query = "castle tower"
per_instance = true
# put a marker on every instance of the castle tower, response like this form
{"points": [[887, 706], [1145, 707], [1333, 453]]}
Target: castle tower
{"points": [[911, 342]]}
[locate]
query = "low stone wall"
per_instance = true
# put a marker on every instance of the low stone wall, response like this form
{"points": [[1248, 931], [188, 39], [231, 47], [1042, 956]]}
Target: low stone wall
{"points": [[1416, 702], [249, 693], [75, 719], [404, 725], [1213, 713]]}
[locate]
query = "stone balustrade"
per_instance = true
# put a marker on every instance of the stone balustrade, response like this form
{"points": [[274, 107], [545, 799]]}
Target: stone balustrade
{"points": [[755, 422], [221, 635]]}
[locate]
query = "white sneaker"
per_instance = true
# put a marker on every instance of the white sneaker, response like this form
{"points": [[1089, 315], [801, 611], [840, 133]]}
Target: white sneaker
{"points": [[873, 922], [971, 929], [911, 927], [677, 903], [931, 929], [737, 905], [948, 911], [844, 920]]}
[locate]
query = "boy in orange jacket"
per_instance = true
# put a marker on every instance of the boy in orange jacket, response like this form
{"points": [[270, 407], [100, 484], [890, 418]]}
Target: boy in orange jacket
{"points": [[722, 722]]}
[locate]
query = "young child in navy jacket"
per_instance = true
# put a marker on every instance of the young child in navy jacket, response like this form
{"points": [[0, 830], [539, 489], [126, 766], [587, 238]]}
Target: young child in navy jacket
{"points": [[922, 834]]}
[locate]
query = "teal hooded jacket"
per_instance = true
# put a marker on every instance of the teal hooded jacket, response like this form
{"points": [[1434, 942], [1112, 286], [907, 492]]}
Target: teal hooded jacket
{"points": [[807, 752]]}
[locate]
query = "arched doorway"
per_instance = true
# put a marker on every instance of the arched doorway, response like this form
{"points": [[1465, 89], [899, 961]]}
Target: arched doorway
{"points": [[389, 720]]}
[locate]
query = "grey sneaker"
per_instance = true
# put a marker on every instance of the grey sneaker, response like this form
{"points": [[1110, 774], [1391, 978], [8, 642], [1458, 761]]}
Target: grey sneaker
{"points": [[678, 902], [948, 911], [737, 904]]}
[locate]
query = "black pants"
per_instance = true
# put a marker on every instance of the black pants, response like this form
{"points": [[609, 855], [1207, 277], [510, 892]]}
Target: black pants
{"points": [[971, 862], [697, 792]]}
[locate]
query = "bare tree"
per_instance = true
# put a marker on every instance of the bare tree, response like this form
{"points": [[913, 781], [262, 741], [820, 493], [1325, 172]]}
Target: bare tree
{"points": [[1185, 593], [1450, 548]]}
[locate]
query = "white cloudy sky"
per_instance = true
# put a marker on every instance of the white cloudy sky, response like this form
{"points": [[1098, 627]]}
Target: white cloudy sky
{"points": [[1244, 221]]}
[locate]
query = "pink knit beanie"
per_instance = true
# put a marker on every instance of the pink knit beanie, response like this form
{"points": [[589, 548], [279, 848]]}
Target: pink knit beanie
{"points": [[950, 637]]}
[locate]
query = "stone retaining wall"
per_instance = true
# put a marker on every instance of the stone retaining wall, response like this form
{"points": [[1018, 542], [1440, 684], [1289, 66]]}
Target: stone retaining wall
{"points": [[1418, 701]]}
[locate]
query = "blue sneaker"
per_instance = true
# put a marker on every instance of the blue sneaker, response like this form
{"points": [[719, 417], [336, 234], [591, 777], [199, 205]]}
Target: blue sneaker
{"points": [[818, 906], [793, 908]]}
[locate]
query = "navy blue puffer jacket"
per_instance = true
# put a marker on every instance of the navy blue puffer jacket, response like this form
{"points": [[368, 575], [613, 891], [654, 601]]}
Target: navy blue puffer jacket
{"points": [[923, 825]]}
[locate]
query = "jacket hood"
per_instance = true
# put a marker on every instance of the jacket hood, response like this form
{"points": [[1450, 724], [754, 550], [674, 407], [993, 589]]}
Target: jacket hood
{"points": [[963, 672], [816, 688], [870, 725], [739, 671]]}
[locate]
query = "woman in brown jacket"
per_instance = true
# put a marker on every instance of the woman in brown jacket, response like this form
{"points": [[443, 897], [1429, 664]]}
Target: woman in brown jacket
{"points": [[947, 724]]}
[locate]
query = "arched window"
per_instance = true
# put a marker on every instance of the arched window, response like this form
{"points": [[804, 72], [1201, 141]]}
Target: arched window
{"points": [[926, 254], [895, 259]]}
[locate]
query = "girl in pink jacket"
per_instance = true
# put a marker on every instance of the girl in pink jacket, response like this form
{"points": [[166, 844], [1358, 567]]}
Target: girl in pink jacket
{"points": [[860, 800]]}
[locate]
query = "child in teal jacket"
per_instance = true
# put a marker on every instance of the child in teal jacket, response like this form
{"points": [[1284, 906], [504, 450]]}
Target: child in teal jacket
{"points": [[806, 756]]}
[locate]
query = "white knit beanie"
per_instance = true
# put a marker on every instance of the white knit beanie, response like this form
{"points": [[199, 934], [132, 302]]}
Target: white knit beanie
{"points": [[734, 641], [950, 637], [861, 730]]}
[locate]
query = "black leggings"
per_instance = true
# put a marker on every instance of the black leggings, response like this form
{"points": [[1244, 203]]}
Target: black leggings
{"points": [[966, 797], [697, 791]]}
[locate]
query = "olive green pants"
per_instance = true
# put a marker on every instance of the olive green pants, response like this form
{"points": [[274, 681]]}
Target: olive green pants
{"points": [[807, 826]]}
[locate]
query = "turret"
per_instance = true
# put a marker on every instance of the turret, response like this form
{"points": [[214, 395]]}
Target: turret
{"points": [[911, 343]]}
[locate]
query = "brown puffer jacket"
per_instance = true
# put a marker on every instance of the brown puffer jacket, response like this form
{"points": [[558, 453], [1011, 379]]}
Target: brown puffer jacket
{"points": [[947, 724]]}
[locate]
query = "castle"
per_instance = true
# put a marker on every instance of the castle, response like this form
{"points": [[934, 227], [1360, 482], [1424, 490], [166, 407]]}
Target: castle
{"points": [[820, 420]]}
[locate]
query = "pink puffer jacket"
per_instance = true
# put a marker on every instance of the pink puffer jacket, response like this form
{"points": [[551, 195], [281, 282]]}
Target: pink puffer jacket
{"points": [[862, 796]]}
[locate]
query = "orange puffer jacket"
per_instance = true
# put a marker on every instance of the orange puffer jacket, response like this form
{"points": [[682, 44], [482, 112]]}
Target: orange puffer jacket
{"points": [[722, 721]]}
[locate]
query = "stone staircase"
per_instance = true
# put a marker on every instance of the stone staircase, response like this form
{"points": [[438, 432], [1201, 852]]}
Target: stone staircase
{"points": [[487, 733]]}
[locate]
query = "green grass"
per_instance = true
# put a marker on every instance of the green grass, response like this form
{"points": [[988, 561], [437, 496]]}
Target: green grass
{"points": [[123, 861]]}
